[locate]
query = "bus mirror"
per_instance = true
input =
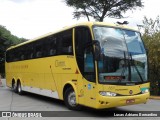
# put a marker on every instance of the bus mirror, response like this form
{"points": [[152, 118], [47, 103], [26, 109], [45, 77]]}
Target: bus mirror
{"points": [[97, 50]]}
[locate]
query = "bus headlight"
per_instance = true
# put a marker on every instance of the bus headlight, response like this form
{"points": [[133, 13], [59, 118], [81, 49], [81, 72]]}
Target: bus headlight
{"points": [[145, 90], [105, 93]]}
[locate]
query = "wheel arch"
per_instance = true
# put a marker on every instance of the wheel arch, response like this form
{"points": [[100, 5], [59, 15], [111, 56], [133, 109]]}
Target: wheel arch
{"points": [[19, 80], [70, 85], [13, 81]]}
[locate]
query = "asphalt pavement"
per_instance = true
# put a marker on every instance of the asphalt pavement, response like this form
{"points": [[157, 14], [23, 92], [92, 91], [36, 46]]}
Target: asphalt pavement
{"points": [[10, 101]]}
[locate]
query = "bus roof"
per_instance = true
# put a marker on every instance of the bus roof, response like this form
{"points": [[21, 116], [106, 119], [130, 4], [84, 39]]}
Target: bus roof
{"points": [[79, 24]]}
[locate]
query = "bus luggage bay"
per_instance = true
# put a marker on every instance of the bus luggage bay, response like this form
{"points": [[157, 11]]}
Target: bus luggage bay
{"points": [[93, 64]]}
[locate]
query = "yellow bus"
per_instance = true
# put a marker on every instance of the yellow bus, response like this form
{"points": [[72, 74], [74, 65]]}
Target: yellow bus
{"points": [[92, 64]]}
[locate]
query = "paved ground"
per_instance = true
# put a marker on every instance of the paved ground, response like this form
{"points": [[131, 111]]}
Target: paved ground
{"points": [[10, 101]]}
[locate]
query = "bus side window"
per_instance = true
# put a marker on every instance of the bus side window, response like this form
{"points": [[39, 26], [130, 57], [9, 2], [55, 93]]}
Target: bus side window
{"points": [[53, 47], [38, 54], [23, 52], [13, 55], [66, 43], [30, 51], [46, 47], [22, 57], [31, 56], [39, 49], [49, 47], [17, 54], [52, 52]]}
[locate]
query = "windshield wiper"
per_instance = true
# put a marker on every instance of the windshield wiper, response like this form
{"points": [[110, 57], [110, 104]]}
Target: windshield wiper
{"points": [[126, 62], [132, 63], [129, 70]]}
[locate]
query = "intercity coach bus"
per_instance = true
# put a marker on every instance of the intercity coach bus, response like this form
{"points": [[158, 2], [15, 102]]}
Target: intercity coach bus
{"points": [[91, 64]]}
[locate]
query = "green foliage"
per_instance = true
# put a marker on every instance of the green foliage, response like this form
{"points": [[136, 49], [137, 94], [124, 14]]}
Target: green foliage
{"points": [[6, 40], [99, 9], [151, 38]]}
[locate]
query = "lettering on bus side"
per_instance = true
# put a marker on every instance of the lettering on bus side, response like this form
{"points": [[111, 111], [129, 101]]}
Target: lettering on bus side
{"points": [[59, 63], [121, 89], [20, 67], [66, 68]]}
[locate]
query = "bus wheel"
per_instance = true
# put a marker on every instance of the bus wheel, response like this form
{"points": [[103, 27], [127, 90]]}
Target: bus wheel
{"points": [[70, 99], [19, 88], [14, 87]]}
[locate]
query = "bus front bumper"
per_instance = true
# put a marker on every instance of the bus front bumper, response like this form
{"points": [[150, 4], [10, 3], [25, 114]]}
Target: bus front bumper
{"points": [[109, 102]]}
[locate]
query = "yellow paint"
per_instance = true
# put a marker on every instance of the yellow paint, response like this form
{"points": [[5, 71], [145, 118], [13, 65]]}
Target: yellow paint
{"points": [[53, 73]]}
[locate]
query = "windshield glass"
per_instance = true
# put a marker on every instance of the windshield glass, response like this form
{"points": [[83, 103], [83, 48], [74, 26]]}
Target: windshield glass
{"points": [[123, 55]]}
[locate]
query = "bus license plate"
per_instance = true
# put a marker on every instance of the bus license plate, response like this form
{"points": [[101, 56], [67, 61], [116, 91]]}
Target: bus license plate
{"points": [[129, 101]]}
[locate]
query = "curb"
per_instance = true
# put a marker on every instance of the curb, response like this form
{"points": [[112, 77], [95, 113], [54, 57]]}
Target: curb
{"points": [[155, 97]]}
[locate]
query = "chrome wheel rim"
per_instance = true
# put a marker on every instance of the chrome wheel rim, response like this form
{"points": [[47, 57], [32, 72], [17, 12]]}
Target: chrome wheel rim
{"points": [[19, 87], [72, 99]]}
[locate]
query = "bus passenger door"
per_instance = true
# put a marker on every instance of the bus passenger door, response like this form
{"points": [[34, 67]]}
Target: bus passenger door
{"points": [[85, 62], [89, 79]]}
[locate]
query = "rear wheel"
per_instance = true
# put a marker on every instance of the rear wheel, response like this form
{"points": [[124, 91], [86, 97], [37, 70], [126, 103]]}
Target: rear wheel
{"points": [[14, 86], [19, 88], [70, 99]]}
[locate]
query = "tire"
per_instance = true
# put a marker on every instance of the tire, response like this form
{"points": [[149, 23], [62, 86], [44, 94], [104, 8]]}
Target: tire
{"points": [[19, 88], [14, 86], [70, 99]]}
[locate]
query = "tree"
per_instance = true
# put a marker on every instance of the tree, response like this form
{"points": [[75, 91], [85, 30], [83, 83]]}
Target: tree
{"points": [[99, 9], [6, 40], [151, 39]]}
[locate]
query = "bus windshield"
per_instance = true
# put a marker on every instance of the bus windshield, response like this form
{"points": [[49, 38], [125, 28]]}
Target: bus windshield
{"points": [[124, 58]]}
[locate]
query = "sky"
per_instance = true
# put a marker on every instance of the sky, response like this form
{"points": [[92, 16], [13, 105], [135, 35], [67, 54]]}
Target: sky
{"points": [[33, 18]]}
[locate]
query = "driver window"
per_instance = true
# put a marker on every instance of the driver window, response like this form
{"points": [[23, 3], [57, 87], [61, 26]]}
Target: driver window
{"points": [[84, 53]]}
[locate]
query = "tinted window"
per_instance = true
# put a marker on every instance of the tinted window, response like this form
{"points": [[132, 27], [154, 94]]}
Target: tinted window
{"points": [[57, 44], [84, 53], [50, 46], [66, 43], [39, 49]]}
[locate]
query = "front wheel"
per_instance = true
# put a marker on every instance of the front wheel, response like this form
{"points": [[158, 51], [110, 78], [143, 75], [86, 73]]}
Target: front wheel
{"points": [[70, 99]]}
